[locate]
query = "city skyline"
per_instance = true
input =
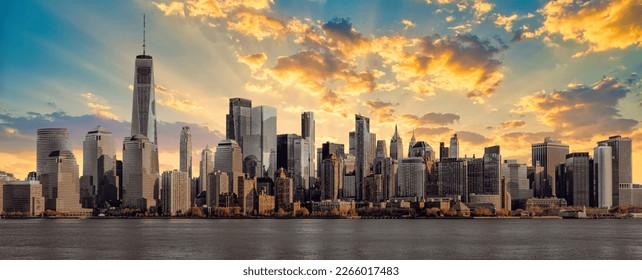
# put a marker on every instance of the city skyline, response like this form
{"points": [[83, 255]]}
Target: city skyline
{"points": [[608, 104]]}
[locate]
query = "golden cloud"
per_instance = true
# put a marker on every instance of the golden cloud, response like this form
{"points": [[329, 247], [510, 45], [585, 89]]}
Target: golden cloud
{"points": [[257, 25], [221, 8], [99, 106], [173, 8], [172, 99], [512, 124], [407, 24], [254, 61], [602, 25]]}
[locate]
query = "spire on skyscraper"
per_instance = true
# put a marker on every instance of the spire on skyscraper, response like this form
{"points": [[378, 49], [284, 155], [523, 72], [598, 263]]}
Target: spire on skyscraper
{"points": [[143, 34]]}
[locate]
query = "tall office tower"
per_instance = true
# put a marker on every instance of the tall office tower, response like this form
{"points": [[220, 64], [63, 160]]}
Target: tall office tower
{"points": [[247, 191], [186, 151], [332, 179], [444, 152], [175, 192], [352, 143], [412, 143], [411, 177], [140, 178], [228, 157], [603, 162], [492, 170], [535, 177], [319, 161], [219, 182], [144, 104], [349, 188], [381, 150], [206, 166], [99, 183], [292, 155], [362, 147], [454, 147], [61, 187], [285, 157], [283, 190], [373, 149], [516, 179], [308, 133], [238, 120], [49, 140], [261, 142], [387, 168], [119, 174], [396, 146], [452, 173], [577, 182], [549, 154], [475, 174], [621, 163]]}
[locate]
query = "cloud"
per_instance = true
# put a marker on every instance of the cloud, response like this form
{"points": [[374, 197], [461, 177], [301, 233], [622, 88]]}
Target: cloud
{"points": [[481, 8], [257, 25], [505, 21], [173, 99], [429, 119], [603, 25], [512, 124], [343, 39], [254, 61], [98, 105], [383, 111], [221, 8], [462, 62], [407, 24], [580, 111], [173, 8]]}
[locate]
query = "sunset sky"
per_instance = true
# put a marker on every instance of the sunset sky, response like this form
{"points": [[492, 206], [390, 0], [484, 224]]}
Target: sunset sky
{"points": [[507, 73]]}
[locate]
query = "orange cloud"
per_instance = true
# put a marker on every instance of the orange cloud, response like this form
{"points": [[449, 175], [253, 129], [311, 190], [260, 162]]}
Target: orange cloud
{"points": [[254, 61], [257, 25], [173, 8], [603, 25], [221, 8], [512, 124], [407, 24], [99, 106], [172, 99]]}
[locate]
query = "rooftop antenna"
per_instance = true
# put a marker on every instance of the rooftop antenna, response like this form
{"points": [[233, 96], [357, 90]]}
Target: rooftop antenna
{"points": [[143, 34]]}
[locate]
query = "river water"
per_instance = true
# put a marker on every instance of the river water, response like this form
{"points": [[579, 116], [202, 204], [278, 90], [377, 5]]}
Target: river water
{"points": [[320, 239]]}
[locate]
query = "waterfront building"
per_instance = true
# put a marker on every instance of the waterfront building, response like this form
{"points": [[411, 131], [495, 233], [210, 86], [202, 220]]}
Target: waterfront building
{"points": [[349, 186], [411, 177], [516, 179], [264, 202], [22, 197], [49, 140], [140, 179], [219, 182], [492, 170], [61, 187], [603, 161], [247, 192], [374, 188], [452, 176], [621, 163], [99, 183], [284, 191], [549, 154], [630, 194], [332, 178], [175, 193], [575, 180], [475, 174]]}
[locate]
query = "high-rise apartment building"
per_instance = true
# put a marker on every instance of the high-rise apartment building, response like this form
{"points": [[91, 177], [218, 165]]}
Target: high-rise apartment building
{"points": [[175, 193], [185, 148], [362, 147], [549, 154]]}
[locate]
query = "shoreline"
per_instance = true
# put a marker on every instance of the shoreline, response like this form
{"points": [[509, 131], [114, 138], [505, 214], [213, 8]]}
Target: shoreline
{"points": [[321, 218]]}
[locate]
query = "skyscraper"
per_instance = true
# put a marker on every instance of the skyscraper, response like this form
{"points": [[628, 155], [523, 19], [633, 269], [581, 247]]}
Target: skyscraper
{"points": [[517, 183], [549, 154], [308, 133], [99, 182], [175, 192], [332, 179], [492, 170], [412, 143], [60, 182], [238, 120], [284, 192], [262, 139], [186, 151], [206, 166], [454, 146], [140, 176], [621, 163], [603, 160], [328, 148], [411, 177], [352, 143], [475, 174], [49, 140], [396, 146], [362, 147], [228, 157], [453, 179], [444, 152], [577, 181]]}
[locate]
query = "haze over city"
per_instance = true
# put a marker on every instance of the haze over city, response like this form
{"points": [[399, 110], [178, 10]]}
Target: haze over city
{"points": [[507, 75]]}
